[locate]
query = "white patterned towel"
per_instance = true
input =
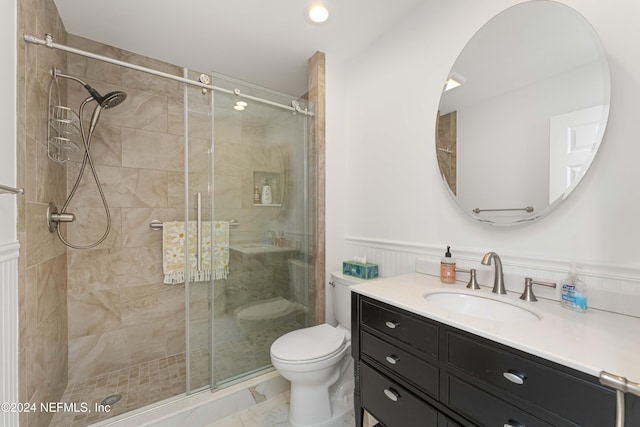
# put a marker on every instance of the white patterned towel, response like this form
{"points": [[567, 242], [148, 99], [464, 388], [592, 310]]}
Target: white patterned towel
{"points": [[173, 243]]}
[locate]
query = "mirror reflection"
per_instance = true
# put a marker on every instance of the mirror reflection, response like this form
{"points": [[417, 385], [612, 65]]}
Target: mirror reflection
{"points": [[523, 113]]}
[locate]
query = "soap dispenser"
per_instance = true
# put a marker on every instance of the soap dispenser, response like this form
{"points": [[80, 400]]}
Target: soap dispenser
{"points": [[574, 292], [448, 268], [266, 198]]}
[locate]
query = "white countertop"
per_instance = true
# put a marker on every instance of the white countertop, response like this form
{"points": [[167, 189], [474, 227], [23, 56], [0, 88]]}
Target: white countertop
{"points": [[589, 342]]}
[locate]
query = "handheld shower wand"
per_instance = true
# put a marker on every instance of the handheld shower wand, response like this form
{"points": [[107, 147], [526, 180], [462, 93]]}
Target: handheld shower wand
{"points": [[110, 100]]}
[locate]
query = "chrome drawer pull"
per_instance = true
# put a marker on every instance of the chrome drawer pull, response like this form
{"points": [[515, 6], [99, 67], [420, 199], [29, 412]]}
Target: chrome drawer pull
{"points": [[391, 394], [512, 423], [391, 324], [393, 359], [515, 376]]}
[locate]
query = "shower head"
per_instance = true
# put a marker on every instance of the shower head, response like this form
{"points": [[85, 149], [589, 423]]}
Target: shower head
{"points": [[108, 101], [112, 99]]}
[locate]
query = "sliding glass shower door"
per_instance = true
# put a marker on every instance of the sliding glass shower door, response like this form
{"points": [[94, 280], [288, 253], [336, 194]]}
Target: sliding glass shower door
{"points": [[248, 166]]}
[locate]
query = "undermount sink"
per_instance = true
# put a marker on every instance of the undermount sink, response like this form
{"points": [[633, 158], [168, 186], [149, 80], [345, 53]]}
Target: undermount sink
{"points": [[481, 306]]}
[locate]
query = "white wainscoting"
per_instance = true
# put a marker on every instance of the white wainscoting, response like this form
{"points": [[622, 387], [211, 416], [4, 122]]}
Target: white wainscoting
{"points": [[611, 288], [9, 333]]}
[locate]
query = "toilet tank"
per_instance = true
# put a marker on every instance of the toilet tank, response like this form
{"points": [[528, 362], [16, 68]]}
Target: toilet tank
{"points": [[342, 297]]}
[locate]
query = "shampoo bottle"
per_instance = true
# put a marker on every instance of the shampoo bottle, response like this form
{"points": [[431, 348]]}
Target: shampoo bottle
{"points": [[448, 268], [266, 193]]}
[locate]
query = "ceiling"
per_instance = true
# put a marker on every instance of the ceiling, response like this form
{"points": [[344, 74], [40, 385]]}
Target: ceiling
{"points": [[266, 42]]}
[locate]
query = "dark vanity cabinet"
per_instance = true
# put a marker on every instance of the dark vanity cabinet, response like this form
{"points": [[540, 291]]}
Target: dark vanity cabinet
{"points": [[412, 371]]}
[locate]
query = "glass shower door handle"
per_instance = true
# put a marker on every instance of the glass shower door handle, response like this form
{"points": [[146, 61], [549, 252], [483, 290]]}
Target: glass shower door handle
{"points": [[199, 227]]}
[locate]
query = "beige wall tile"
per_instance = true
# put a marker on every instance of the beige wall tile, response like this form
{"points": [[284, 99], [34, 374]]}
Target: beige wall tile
{"points": [[135, 225], [51, 285], [152, 303], [42, 245], [91, 225], [91, 271], [99, 309], [112, 350], [152, 150]]}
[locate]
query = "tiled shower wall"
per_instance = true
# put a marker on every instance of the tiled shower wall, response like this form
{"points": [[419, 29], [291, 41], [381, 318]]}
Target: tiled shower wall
{"points": [[120, 312], [42, 279]]}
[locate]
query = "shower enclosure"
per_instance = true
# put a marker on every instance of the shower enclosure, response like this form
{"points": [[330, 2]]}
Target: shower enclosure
{"points": [[177, 152], [270, 289]]}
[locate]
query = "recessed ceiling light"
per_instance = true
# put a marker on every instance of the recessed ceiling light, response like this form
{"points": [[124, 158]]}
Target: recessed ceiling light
{"points": [[318, 12], [238, 108], [241, 103]]}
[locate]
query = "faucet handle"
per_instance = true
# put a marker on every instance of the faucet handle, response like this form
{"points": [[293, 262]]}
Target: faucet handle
{"points": [[473, 282], [527, 294]]}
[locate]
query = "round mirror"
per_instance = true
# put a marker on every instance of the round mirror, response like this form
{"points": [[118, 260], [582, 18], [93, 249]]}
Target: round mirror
{"points": [[522, 113]]}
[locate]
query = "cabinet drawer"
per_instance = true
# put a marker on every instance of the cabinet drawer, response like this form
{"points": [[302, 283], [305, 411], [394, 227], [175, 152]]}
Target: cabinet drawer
{"points": [[417, 333], [485, 409], [392, 404], [420, 373], [575, 399]]}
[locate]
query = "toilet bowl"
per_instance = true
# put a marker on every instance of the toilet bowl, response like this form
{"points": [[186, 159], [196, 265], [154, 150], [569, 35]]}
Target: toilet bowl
{"points": [[271, 313], [266, 314], [317, 361]]}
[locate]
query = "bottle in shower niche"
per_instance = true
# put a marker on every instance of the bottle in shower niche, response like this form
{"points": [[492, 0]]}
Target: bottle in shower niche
{"points": [[256, 195], [448, 268], [266, 198]]}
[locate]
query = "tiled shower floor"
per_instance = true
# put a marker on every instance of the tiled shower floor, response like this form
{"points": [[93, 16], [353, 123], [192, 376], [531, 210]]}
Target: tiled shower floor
{"points": [[153, 381]]}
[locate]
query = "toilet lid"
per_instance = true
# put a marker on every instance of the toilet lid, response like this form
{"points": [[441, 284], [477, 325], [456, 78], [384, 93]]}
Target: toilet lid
{"points": [[316, 342], [277, 307]]}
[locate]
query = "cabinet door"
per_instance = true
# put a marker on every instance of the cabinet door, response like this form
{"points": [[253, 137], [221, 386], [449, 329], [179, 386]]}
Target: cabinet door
{"points": [[392, 404]]}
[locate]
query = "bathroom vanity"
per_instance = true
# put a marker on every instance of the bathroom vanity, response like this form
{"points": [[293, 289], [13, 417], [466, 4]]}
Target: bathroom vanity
{"points": [[421, 363]]}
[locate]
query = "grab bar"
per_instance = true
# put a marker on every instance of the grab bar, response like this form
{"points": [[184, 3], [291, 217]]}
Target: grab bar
{"points": [[528, 209], [5, 189], [157, 225], [621, 386]]}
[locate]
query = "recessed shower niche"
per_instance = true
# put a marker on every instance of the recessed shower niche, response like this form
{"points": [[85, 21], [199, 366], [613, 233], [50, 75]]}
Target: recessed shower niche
{"points": [[272, 180]]}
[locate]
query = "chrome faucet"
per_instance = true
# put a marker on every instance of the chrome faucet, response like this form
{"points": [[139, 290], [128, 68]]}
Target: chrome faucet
{"points": [[498, 281]]}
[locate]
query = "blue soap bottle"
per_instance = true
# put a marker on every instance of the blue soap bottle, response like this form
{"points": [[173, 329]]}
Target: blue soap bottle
{"points": [[574, 292]]}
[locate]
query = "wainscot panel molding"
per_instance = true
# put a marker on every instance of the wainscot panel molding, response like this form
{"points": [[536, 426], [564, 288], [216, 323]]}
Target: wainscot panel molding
{"points": [[9, 335], [610, 287]]}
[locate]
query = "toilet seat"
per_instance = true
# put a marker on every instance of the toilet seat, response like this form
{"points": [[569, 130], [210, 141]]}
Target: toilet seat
{"points": [[265, 310], [313, 344]]}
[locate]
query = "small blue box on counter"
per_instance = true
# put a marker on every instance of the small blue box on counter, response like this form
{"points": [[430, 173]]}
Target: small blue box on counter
{"points": [[362, 271]]}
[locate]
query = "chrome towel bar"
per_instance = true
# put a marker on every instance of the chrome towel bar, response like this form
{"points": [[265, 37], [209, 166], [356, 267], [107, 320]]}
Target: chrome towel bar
{"points": [[5, 189], [528, 209], [621, 385], [157, 225]]}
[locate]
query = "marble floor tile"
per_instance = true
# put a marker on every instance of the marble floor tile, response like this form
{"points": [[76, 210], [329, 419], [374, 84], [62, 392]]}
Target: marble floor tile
{"points": [[273, 412]]}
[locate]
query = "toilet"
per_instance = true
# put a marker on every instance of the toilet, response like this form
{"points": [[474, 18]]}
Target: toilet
{"points": [[318, 363], [273, 312]]}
